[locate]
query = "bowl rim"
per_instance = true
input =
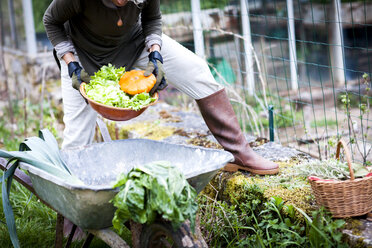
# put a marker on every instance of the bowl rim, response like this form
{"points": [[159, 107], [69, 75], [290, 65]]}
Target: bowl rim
{"points": [[82, 92]]}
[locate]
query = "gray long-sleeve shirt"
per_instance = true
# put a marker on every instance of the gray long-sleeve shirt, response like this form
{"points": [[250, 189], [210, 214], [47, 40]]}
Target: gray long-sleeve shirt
{"points": [[92, 28]]}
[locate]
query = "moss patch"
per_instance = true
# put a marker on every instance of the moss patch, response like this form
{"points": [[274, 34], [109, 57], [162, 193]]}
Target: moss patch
{"points": [[292, 189], [148, 130], [299, 197], [203, 141], [355, 226]]}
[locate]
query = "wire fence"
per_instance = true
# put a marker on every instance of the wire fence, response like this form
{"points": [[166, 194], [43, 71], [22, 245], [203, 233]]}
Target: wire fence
{"points": [[310, 61]]}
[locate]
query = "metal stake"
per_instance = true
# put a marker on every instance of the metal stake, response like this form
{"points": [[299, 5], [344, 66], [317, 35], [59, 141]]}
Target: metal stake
{"points": [[271, 122]]}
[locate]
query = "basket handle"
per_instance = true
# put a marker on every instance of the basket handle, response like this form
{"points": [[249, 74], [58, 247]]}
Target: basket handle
{"points": [[347, 154]]}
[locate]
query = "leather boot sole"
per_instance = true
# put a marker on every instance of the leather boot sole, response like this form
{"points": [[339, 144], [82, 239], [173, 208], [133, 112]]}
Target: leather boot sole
{"points": [[234, 167], [369, 216]]}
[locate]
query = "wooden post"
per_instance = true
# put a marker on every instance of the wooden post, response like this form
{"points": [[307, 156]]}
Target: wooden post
{"points": [[59, 231]]}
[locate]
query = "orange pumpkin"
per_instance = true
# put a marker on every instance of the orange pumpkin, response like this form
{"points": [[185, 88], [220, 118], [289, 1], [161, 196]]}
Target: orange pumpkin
{"points": [[134, 82]]}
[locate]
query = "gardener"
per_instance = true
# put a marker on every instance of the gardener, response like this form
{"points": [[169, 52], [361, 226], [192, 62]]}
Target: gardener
{"points": [[88, 34]]}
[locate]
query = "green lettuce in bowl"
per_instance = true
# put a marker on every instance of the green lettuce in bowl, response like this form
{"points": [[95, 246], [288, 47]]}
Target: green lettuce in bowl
{"points": [[104, 88]]}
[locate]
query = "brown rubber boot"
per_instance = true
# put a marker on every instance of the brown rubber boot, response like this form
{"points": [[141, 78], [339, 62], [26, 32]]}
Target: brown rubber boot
{"points": [[223, 123]]}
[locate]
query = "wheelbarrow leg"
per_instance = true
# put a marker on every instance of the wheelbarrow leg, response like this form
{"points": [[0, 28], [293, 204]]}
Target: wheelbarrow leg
{"points": [[136, 230], [88, 240], [71, 236], [59, 231]]}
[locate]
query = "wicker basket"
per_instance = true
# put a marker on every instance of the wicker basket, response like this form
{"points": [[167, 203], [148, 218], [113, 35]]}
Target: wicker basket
{"points": [[344, 198]]}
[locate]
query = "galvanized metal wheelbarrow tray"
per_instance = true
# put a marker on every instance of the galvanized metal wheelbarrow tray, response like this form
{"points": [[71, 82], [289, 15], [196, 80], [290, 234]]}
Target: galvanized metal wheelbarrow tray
{"points": [[98, 166]]}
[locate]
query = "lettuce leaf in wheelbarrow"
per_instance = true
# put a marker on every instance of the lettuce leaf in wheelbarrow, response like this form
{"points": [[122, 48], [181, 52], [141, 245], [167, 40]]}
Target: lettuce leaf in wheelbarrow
{"points": [[104, 88], [151, 190]]}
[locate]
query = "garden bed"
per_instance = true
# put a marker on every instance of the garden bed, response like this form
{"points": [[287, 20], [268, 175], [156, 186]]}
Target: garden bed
{"points": [[231, 199], [239, 209]]}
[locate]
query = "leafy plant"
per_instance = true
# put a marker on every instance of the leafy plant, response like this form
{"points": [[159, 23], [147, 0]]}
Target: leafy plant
{"points": [[27, 119], [322, 230], [329, 169], [151, 190], [253, 221], [359, 137], [41, 152]]}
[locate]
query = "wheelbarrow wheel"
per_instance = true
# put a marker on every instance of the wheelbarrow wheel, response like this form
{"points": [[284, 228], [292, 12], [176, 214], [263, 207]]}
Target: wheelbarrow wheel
{"points": [[162, 235]]}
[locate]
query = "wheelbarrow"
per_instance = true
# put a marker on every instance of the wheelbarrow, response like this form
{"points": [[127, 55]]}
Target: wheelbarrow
{"points": [[97, 166]]}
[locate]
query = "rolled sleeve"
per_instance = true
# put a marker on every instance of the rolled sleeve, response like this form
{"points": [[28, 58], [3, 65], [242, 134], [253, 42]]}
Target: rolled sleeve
{"points": [[153, 39], [64, 47]]}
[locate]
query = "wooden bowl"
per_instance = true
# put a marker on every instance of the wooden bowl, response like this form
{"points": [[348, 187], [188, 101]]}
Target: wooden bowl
{"points": [[114, 113]]}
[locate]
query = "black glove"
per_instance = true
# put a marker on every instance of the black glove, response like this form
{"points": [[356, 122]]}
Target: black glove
{"points": [[157, 69], [77, 74]]}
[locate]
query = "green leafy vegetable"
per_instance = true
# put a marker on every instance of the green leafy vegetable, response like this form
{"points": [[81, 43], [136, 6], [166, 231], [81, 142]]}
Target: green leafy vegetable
{"points": [[157, 188], [104, 88], [109, 72]]}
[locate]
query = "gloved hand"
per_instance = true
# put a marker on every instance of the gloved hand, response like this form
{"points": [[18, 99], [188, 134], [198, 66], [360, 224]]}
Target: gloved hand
{"points": [[155, 66], [77, 75]]}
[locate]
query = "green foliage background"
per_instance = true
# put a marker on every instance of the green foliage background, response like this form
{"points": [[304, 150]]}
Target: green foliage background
{"points": [[39, 7]]}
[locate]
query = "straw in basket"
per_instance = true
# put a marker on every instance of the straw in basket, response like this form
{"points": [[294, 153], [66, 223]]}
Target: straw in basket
{"points": [[347, 198]]}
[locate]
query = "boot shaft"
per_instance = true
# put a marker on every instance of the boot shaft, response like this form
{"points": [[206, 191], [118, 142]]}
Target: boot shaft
{"points": [[221, 120]]}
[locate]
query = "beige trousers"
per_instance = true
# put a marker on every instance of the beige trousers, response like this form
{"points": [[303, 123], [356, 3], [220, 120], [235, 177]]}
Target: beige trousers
{"points": [[184, 70]]}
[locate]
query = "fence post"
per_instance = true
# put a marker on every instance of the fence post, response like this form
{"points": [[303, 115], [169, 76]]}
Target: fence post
{"points": [[29, 27], [197, 28], [336, 42], [292, 45], [247, 46]]}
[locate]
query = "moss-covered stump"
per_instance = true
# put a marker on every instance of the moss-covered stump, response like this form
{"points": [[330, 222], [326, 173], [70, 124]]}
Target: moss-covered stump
{"points": [[293, 190]]}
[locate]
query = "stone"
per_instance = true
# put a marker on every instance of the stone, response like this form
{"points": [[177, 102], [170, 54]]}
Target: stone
{"points": [[360, 234]]}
